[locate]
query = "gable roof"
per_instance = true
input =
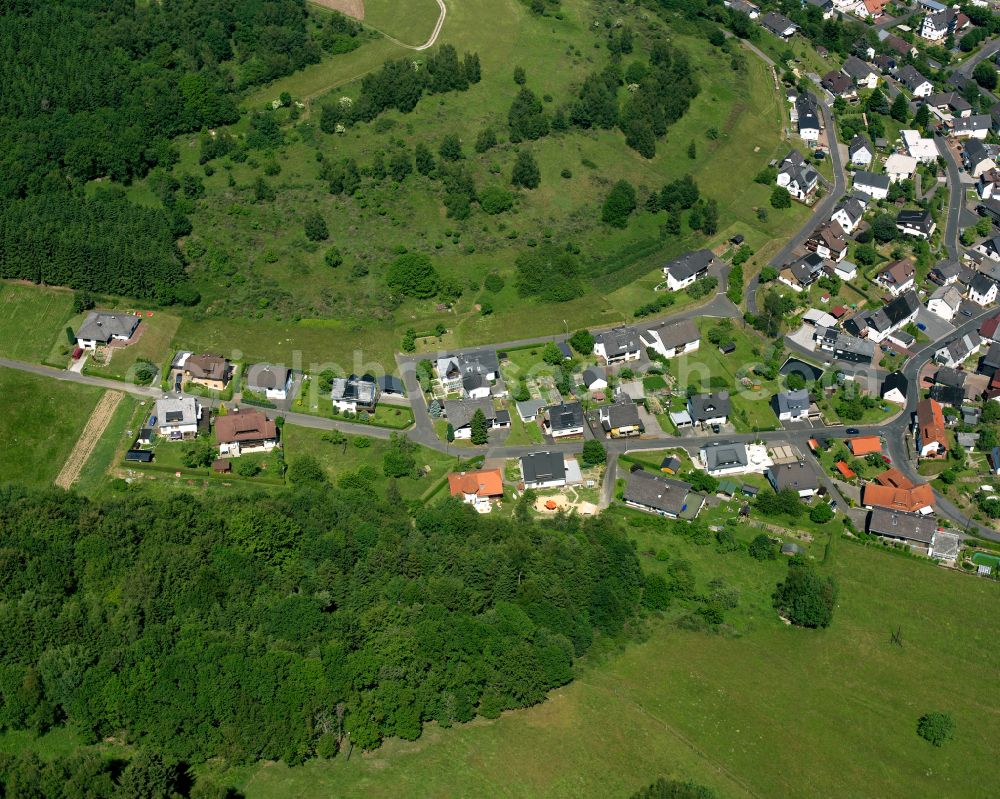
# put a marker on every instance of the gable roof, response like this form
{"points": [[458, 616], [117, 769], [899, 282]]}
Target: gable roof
{"points": [[689, 264], [857, 68], [902, 525], [895, 380], [460, 412], [905, 500], [709, 406], [677, 334], [858, 143], [777, 23], [863, 178], [909, 76], [565, 416], [543, 467], [657, 492], [619, 341], [972, 123], [930, 421], [897, 273], [864, 445]]}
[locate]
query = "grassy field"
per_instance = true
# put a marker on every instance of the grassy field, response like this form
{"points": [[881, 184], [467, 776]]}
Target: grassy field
{"points": [[253, 263], [110, 449], [30, 318], [766, 710], [41, 421], [411, 22]]}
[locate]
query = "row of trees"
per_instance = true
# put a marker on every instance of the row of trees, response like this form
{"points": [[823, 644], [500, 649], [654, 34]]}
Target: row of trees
{"points": [[271, 626]]}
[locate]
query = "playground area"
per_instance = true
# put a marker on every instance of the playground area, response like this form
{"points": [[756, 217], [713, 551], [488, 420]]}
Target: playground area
{"points": [[566, 501]]}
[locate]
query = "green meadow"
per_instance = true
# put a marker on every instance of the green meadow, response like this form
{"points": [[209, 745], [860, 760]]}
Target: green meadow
{"points": [[31, 318]]}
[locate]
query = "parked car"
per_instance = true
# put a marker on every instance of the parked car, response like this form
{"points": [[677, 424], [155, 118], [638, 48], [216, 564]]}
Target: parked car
{"points": [[887, 459], [177, 382], [921, 326], [77, 352], [852, 431], [833, 505]]}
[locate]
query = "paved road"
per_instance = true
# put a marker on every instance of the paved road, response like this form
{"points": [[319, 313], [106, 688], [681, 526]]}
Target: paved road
{"points": [[956, 198]]}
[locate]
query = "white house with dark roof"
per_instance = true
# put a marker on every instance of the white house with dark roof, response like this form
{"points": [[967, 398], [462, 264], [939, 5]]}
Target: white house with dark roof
{"points": [[875, 186], [860, 72], [779, 25], [916, 83], [982, 290], [618, 346], [353, 394], [103, 327], [797, 476], [543, 470], [660, 495], [848, 214], [271, 380], [916, 222], [944, 302], [894, 388], [956, 351], [860, 150], [795, 175], [897, 277], [460, 413], [709, 409], [976, 126], [686, 269], [452, 370], [671, 339], [564, 419], [792, 405]]}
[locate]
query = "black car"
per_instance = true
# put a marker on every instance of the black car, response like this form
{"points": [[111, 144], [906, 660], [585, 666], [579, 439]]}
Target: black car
{"points": [[852, 431], [177, 382]]}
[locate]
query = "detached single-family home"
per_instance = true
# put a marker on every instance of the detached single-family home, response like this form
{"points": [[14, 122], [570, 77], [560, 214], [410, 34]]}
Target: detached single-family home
{"points": [[828, 241], [825, 6], [792, 405], [976, 126], [594, 378], [353, 394], [875, 186], [452, 370], [273, 381], [894, 491], [709, 409], [945, 273], [686, 269], [529, 409], [916, 223], [878, 324], [103, 327], [543, 470], [797, 476], [929, 430], [391, 385], [900, 167], [870, 9], [990, 208], [976, 158], [621, 419], [861, 150], [178, 418], [861, 73], [244, 431], [808, 123], [864, 445], [923, 149], [897, 277], [908, 528], [988, 184], [839, 84], [564, 419], [797, 176], [939, 25], [989, 247], [844, 347], [478, 488], [947, 105], [722, 458], [916, 83], [211, 371], [671, 339], [743, 7], [663, 496], [848, 214], [982, 290], [899, 46], [461, 412], [944, 302], [845, 270], [801, 274], [894, 388], [957, 351], [618, 346], [779, 25]]}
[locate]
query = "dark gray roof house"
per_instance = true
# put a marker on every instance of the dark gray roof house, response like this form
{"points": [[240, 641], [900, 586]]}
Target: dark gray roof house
{"points": [[948, 376], [661, 495], [543, 467], [267, 377], [990, 362], [857, 69], [915, 219], [896, 381], [908, 527], [910, 78], [859, 143], [565, 416], [794, 402], [722, 455], [390, 384], [690, 264], [103, 326], [869, 180], [593, 375], [797, 476], [703, 407], [779, 25], [460, 412], [619, 342]]}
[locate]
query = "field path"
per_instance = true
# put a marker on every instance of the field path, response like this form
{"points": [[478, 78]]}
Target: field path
{"points": [[354, 9], [85, 444]]}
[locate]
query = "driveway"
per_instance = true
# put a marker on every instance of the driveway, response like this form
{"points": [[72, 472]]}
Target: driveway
{"points": [[937, 327]]}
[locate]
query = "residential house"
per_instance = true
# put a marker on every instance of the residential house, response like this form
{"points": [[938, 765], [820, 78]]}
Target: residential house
{"points": [[211, 371], [886, 64], [244, 431], [875, 186], [594, 378], [894, 388], [976, 158], [460, 413], [544, 470], [990, 248], [945, 273], [529, 409], [877, 325], [967, 441], [897, 277], [103, 327], [988, 185], [860, 150], [797, 476], [663, 496], [923, 149], [929, 430], [564, 419], [861, 73], [828, 241], [990, 208], [452, 370], [743, 7], [871, 9], [898, 494], [478, 488], [271, 380], [988, 329], [391, 385], [839, 84], [178, 418], [353, 394], [938, 26], [844, 347], [916, 222], [908, 528], [808, 122], [801, 274], [848, 214], [475, 386], [779, 25], [825, 6], [900, 47], [982, 291], [916, 83], [792, 405], [709, 409], [989, 364], [618, 346], [722, 458], [686, 269], [621, 419], [900, 167], [845, 270], [976, 126], [947, 105], [797, 176], [944, 302], [864, 445], [946, 395], [671, 339]]}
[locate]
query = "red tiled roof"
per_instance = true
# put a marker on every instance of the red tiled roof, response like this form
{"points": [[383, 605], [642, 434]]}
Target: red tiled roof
{"points": [[483, 483], [930, 420], [864, 445], [845, 470], [907, 500], [244, 426], [894, 479]]}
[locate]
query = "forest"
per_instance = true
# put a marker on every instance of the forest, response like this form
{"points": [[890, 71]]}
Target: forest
{"points": [[287, 626], [96, 89]]}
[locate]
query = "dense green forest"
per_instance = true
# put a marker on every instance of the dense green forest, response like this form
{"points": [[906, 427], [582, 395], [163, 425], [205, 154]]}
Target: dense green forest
{"points": [[283, 626], [97, 89]]}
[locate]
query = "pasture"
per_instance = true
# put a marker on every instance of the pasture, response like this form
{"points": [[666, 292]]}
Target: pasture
{"points": [[31, 317]]}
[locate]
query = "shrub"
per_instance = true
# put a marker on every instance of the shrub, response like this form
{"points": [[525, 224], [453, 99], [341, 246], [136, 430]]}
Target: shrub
{"points": [[619, 204], [495, 200], [936, 727], [413, 274]]}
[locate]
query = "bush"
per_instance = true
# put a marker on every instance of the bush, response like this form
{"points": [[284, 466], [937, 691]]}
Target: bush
{"points": [[582, 341], [315, 227], [333, 258], [619, 205], [495, 200], [247, 468], [413, 274], [761, 548], [821, 514], [780, 198], [525, 173], [594, 453], [936, 727]]}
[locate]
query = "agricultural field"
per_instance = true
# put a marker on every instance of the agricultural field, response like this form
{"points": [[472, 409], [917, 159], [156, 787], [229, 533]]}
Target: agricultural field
{"points": [[251, 260], [766, 710], [31, 317], [41, 421]]}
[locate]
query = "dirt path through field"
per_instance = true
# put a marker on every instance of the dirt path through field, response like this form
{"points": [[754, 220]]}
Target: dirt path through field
{"points": [[88, 439]]}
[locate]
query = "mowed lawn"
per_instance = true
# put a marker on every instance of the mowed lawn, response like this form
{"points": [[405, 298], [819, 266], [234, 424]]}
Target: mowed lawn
{"points": [[40, 421], [30, 318], [412, 21], [769, 712]]}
